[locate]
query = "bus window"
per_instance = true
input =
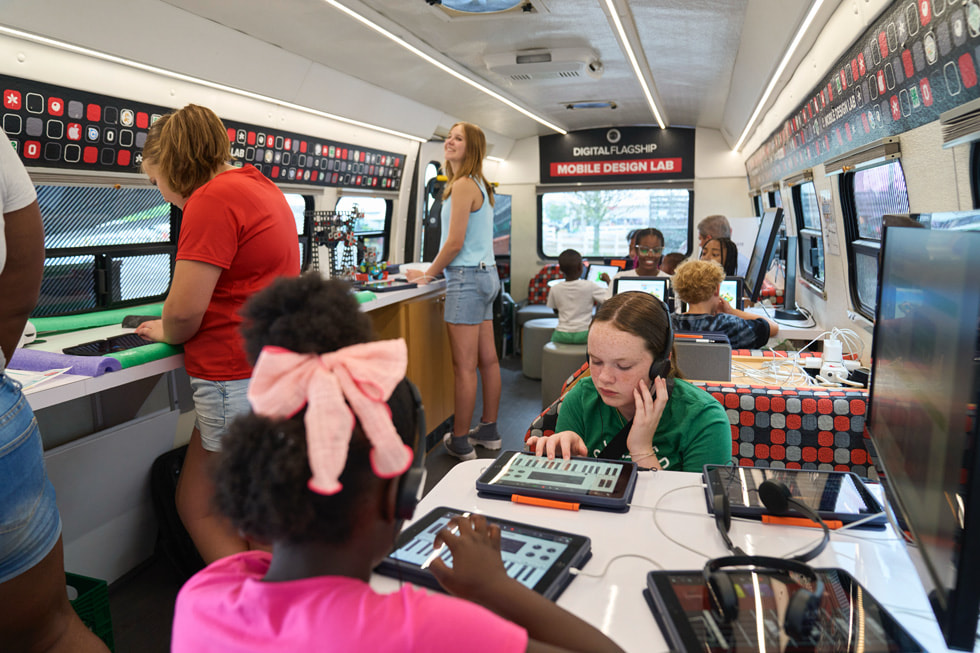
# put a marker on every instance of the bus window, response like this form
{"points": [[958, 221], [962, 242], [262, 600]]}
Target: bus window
{"points": [[104, 247], [597, 222], [868, 194], [775, 199], [808, 226], [301, 205], [372, 230]]}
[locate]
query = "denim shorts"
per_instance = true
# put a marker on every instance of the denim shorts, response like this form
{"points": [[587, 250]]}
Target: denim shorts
{"points": [[470, 293], [29, 521], [217, 404]]}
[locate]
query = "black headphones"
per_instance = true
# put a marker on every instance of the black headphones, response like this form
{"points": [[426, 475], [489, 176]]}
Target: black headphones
{"points": [[803, 610], [777, 499], [412, 482], [661, 364]]}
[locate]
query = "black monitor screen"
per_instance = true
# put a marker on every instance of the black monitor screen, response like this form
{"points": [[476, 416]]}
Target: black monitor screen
{"points": [[924, 393], [762, 252]]}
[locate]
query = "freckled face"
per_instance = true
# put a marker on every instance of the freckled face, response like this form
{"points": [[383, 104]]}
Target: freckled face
{"points": [[455, 146], [153, 172], [712, 252], [619, 362]]}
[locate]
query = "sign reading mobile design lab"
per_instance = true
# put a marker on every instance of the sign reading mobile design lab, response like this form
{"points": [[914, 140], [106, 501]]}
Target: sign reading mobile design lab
{"points": [[630, 154]]}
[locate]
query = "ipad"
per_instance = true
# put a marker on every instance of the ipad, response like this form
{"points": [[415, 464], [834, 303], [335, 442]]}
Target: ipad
{"points": [[386, 285], [731, 291], [538, 558], [834, 495], [596, 270], [107, 346], [656, 286], [591, 482], [681, 604]]}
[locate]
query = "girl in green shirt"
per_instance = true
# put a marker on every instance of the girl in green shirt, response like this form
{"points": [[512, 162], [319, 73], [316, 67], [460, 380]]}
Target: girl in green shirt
{"points": [[680, 428]]}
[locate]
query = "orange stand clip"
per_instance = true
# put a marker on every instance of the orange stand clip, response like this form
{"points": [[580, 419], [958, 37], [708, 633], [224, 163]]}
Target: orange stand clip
{"points": [[545, 503]]}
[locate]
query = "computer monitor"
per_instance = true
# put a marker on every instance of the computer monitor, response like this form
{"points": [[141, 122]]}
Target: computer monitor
{"points": [[656, 286], [923, 412], [596, 270], [765, 242]]}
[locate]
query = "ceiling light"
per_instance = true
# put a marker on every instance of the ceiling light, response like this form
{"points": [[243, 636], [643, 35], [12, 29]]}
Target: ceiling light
{"points": [[495, 159], [441, 66], [480, 6], [591, 104], [634, 62], [43, 40], [795, 43]]}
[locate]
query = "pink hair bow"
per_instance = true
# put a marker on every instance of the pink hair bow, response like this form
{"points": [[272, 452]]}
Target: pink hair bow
{"points": [[363, 376]]}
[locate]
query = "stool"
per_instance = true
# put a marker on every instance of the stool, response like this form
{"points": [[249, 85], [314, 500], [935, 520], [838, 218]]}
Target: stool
{"points": [[528, 313], [535, 334], [558, 362]]}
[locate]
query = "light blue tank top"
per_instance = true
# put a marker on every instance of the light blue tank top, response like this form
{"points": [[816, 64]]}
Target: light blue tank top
{"points": [[478, 243]]}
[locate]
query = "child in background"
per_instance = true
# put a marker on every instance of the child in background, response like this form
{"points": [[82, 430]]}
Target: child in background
{"points": [[670, 262], [649, 251], [724, 251], [321, 485], [573, 299], [697, 283]]}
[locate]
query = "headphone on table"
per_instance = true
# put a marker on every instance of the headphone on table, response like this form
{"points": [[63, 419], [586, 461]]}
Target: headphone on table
{"points": [[777, 499], [803, 610], [412, 482]]}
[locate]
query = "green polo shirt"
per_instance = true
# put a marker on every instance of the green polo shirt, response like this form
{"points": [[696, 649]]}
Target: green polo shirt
{"points": [[693, 430]]}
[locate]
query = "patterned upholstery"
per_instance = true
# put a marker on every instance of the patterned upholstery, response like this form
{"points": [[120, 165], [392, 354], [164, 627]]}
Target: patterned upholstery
{"points": [[796, 428], [537, 287], [779, 427]]}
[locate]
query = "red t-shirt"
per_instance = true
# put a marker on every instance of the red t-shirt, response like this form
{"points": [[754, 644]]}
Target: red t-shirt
{"points": [[239, 221]]}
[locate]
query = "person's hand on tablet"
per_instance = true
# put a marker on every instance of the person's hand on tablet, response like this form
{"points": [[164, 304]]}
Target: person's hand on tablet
{"points": [[475, 547], [566, 444]]}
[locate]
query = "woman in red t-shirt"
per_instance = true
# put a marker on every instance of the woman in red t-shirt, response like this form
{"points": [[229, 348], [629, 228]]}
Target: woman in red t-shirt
{"points": [[237, 235]]}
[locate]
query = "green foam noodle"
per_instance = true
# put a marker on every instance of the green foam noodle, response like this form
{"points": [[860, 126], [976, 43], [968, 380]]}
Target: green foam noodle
{"points": [[66, 323], [146, 353]]}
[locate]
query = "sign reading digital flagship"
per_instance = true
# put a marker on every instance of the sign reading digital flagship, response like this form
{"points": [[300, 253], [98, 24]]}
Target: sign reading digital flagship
{"points": [[634, 154]]}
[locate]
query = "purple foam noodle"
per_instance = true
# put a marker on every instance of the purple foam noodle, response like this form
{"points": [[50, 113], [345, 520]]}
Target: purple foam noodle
{"points": [[35, 360]]}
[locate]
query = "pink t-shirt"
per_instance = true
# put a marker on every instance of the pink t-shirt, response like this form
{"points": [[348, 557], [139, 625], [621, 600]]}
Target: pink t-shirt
{"points": [[228, 608]]}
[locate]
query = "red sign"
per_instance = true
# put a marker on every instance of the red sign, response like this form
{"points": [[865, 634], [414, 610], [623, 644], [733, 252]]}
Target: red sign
{"points": [[626, 167]]}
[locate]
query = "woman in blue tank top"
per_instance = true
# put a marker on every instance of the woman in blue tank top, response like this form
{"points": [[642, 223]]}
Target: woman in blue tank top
{"points": [[466, 257]]}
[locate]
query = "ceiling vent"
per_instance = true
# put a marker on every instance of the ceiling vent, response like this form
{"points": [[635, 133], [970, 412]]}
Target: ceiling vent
{"points": [[540, 64]]}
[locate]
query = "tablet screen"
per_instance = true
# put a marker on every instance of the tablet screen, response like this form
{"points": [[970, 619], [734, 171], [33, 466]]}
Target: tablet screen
{"points": [[830, 493], [683, 608], [596, 270], [731, 291], [578, 476], [656, 286], [535, 557]]}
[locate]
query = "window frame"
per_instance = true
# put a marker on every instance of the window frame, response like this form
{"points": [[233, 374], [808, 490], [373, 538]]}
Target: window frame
{"points": [[805, 234], [384, 233], [542, 190], [103, 255], [975, 173], [858, 245]]}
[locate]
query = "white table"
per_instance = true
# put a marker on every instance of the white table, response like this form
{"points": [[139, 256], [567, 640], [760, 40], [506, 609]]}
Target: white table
{"points": [[614, 603]]}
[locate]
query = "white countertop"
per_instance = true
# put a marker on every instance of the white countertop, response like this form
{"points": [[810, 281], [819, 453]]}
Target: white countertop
{"points": [[614, 603], [71, 386]]}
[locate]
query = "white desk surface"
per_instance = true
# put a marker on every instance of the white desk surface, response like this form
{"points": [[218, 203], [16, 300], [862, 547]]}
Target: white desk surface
{"points": [[788, 329], [72, 386], [614, 603], [395, 296]]}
